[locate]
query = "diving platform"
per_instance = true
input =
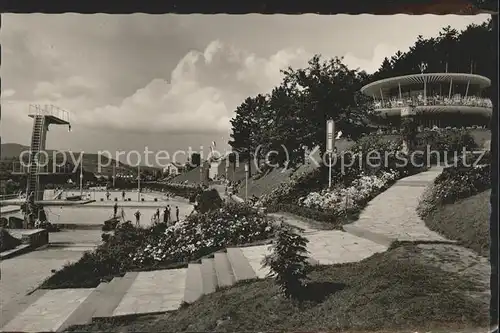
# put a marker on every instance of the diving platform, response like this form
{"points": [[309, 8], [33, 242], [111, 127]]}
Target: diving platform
{"points": [[52, 114]]}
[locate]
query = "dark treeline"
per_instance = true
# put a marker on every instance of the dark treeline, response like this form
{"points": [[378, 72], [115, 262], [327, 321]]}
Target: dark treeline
{"points": [[294, 113]]}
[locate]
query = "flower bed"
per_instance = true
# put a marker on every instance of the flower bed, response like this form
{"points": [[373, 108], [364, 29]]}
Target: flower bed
{"points": [[202, 234], [161, 247], [342, 200], [453, 184]]}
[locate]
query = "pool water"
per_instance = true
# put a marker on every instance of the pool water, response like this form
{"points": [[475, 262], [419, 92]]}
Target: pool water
{"points": [[95, 213]]}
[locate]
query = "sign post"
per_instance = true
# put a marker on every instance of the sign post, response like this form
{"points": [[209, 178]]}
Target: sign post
{"points": [[246, 182], [330, 144]]}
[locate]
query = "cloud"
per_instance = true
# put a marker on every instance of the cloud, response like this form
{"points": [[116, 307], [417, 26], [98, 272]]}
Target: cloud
{"points": [[8, 93], [371, 65], [203, 92]]}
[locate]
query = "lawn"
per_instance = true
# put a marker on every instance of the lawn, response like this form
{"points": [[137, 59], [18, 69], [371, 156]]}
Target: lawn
{"points": [[467, 221], [395, 291]]}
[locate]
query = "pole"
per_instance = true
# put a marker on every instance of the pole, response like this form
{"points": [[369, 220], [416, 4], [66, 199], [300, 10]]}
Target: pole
{"points": [[330, 147], [246, 182], [138, 183], [81, 175], [114, 176], [451, 85], [330, 170]]}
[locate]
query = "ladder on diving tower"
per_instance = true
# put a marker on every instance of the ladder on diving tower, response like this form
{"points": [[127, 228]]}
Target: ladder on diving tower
{"points": [[42, 118]]}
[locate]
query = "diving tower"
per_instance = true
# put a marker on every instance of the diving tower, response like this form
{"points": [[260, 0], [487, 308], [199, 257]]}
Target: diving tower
{"points": [[43, 117]]}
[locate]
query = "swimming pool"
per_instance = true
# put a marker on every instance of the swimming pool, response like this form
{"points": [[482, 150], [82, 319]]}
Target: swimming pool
{"points": [[99, 211]]}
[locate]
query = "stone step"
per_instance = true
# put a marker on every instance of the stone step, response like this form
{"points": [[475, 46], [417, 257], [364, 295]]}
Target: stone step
{"points": [[255, 255], [13, 308], [84, 313], [112, 295], [209, 276], [223, 270], [49, 312], [240, 266], [194, 285], [154, 292]]}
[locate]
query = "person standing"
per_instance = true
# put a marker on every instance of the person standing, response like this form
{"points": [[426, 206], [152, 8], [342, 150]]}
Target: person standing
{"points": [[168, 213], [157, 215], [123, 215], [108, 195], [165, 215], [123, 195], [177, 213], [137, 218], [115, 209]]}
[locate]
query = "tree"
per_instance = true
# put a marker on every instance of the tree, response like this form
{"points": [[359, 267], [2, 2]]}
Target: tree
{"points": [[195, 159], [330, 90], [248, 127]]}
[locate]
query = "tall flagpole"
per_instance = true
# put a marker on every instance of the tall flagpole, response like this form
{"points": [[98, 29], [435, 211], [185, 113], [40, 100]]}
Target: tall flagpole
{"points": [[138, 182], [81, 175]]}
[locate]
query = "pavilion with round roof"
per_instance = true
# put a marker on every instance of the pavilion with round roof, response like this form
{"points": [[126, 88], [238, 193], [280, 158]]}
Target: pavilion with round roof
{"points": [[433, 99]]}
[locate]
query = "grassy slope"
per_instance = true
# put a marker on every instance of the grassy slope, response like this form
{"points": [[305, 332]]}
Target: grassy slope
{"points": [[391, 292], [467, 221]]}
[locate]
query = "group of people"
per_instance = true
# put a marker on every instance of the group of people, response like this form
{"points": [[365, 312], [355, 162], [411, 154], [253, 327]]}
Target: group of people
{"points": [[167, 215], [108, 195]]}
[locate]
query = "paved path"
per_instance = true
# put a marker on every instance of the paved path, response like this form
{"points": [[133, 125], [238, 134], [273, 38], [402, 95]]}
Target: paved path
{"points": [[23, 274], [393, 214]]}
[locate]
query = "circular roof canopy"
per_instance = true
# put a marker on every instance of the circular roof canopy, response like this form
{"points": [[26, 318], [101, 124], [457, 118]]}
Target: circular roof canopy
{"points": [[393, 82]]}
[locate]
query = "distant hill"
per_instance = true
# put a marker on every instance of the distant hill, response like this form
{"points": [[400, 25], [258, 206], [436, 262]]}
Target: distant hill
{"points": [[9, 151]]}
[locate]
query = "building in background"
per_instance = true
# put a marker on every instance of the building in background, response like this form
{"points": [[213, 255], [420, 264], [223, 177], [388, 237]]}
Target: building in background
{"points": [[433, 99]]}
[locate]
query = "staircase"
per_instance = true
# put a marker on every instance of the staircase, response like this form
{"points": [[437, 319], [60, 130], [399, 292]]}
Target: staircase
{"points": [[37, 144], [135, 293]]}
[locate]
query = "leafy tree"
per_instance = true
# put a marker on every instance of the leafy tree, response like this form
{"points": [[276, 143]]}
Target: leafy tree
{"points": [[288, 262], [248, 126], [195, 159], [329, 90]]}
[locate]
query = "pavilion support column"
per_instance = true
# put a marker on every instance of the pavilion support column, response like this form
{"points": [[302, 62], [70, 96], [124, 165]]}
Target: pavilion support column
{"points": [[399, 86], [381, 95], [425, 91], [451, 84], [467, 89]]}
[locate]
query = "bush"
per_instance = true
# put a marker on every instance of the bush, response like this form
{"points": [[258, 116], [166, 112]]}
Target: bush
{"points": [[7, 241], [110, 224], [288, 262], [448, 143], [107, 261], [453, 184], [161, 247], [208, 200], [343, 201], [202, 234]]}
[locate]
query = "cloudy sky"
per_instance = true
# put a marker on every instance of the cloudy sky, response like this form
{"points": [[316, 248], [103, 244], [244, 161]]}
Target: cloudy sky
{"points": [[169, 81]]}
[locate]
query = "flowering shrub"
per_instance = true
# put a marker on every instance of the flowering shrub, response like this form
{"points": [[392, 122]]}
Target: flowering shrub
{"points": [[288, 262], [201, 234], [161, 247], [341, 200], [453, 184]]}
